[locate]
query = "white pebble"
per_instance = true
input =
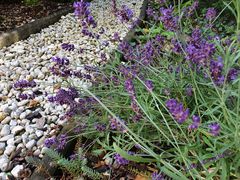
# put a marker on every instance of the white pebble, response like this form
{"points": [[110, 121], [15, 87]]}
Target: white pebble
{"points": [[15, 171]]}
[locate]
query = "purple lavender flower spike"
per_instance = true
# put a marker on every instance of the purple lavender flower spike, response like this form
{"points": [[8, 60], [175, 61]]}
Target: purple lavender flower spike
{"points": [[190, 10], [24, 84], [125, 14], [81, 8], [68, 47], [177, 110], [100, 127], [116, 125], [196, 122], [149, 85], [170, 22], [116, 37], [214, 129], [196, 119], [64, 96], [49, 142], [216, 68], [211, 14], [233, 74], [129, 86], [120, 160], [157, 176], [60, 61], [193, 126], [26, 96], [134, 106], [62, 141]]}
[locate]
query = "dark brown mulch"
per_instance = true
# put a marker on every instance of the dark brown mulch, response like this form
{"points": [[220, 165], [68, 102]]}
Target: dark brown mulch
{"points": [[15, 13]]}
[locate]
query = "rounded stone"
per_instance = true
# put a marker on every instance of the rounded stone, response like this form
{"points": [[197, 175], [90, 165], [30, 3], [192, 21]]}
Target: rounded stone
{"points": [[4, 162], [30, 144], [3, 115], [17, 129], [6, 120], [15, 171], [5, 130], [9, 149]]}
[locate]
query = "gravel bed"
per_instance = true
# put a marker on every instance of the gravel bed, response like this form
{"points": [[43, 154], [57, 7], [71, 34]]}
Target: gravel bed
{"points": [[26, 124]]}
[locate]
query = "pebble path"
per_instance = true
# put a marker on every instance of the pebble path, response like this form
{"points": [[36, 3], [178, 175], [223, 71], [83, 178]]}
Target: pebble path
{"points": [[25, 124]]}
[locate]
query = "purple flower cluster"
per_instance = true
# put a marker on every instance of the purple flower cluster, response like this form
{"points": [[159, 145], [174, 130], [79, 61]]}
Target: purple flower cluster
{"points": [[211, 14], [60, 67], [198, 50], [169, 21], [116, 125], [24, 84], [100, 127], [120, 160], [190, 10], [26, 96], [82, 11], [216, 69], [142, 53], [177, 46], [115, 80], [127, 50], [147, 53], [149, 85], [125, 14], [81, 107], [152, 14], [50, 142], [64, 96], [129, 86], [59, 142], [68, 47], [60, 61], [157, 176], [91, 68], [196, 122], [177, 110], [130, 71], [233, 74], [214, 129], [116, 37]]}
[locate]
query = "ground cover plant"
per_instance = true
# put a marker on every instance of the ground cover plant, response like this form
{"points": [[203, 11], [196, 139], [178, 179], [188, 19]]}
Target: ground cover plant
{"points": [[167, 105]]}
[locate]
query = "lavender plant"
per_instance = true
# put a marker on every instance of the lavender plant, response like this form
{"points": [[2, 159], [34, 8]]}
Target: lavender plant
{"points": [[174, 101]]}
